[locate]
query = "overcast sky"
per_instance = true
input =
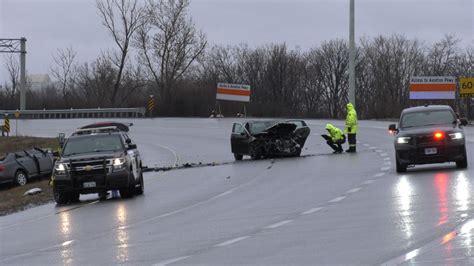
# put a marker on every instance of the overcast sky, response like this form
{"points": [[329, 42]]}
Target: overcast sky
{"points": [[52, 24]]}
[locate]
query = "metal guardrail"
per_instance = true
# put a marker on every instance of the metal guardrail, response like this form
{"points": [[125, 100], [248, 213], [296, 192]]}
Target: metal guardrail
{"points": [[77, 113]]}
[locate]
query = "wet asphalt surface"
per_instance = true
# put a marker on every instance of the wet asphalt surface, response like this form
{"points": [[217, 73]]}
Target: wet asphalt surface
{"points": [[318, 209]]}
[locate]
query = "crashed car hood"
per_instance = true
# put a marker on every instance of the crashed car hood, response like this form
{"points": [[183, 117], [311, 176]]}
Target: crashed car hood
{"points": [[93, 156], [281, 129]]}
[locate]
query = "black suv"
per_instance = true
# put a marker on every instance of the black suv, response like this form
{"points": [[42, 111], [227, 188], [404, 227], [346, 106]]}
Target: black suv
{"points": [[97, 158], [429, 134]]}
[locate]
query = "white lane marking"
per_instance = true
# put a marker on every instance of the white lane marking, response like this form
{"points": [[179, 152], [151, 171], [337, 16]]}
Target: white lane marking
{"points": [[366, 145], [384, 154], [354, 190], [379, 175], [386, 159], [313, 210], [94, 202], [273, 226], [176, 156], [378, 151], [385, 168], [224, 194], [232, 241], [368, 182], [67, 243], [337, 199], [387, 163], [167, 262], [373, 148]]}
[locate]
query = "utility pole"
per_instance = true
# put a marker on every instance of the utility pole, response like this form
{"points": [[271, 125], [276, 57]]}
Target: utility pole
{"points": [[352, 83], [23, 74]]}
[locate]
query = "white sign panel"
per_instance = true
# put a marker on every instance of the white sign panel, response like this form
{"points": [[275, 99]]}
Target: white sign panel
{"points": [[233, 92]]}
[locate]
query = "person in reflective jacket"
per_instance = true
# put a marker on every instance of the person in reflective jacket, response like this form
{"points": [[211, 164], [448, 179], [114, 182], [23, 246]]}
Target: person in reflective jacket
{"points": [[335, 139], [351, 127]]}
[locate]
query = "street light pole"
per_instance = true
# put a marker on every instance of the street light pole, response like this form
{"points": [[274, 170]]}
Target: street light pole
{"points": [[352, 82], [23, 74]]}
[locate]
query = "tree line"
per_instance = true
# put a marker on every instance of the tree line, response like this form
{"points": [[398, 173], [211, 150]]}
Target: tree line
{"points": [[159, 51]]}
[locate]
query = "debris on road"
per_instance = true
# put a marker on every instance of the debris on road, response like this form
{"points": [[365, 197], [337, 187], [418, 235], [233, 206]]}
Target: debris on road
{"points": [[33, 191]]}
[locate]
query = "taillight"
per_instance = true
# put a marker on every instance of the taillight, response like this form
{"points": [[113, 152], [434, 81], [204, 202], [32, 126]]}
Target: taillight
{"points": [[2, 167], [438, 135]]}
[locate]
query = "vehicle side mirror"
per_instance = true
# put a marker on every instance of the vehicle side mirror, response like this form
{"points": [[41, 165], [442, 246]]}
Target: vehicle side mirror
{"points": [[392, 128], [128, 141], [464, 121], [132, 146], [61, 139]]}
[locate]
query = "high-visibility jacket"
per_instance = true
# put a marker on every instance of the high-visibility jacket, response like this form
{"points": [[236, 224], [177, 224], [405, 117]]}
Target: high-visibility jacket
{"points": [[351, 120], [335, 133]]}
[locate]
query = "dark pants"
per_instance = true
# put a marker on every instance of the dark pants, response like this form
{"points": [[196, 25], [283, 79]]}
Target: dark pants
{"points": [[352, 141], [336, 145]]}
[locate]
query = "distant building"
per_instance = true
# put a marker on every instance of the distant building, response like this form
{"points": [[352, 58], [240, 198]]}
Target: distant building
{"points": [[39, 81]]}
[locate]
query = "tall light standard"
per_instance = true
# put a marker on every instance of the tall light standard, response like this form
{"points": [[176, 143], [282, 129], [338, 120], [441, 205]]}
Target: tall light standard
{"points": [[352, 84]]}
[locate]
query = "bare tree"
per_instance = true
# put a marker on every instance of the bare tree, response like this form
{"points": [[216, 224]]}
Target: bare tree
{"points": [[13, 70], [64, 72], [169, 42], [122, 18]]}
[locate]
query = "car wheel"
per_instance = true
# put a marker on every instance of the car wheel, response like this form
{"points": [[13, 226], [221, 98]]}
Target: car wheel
{"points": [[139, 190], [462, 164], [238, 157], [128, 192], [400, 167], [255, 152], [74, 197], [60, 197], [21, 178]]}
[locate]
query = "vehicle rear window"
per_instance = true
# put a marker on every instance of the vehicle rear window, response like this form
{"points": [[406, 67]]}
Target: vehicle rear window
{"points": [[427, 118], [95, 143]]}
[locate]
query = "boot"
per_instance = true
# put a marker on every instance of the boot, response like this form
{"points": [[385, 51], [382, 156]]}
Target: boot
{"points": [[351, 149]]}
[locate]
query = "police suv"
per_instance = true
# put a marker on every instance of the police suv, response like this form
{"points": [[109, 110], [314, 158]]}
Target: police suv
{"points": [[429, 134], [97, 158]]}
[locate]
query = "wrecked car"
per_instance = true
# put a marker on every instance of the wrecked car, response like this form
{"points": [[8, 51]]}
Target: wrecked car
{"points": [[19, 167], [265, 139]]}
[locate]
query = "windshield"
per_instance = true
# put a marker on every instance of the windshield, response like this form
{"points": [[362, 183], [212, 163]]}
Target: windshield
{"points": [[427, 118], [90, 144], [260, 126]]}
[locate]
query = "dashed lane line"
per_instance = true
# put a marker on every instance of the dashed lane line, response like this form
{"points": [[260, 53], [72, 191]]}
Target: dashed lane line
{"points": [[232, 241], [276, 225], [338, 199], [354, 190], [379, 175], [385, 168], [368, 182], [313, 210], [167, 262]]}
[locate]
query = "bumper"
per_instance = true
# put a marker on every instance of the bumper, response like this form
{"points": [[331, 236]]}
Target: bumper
{"points": [[410, 155], [103, 182]]}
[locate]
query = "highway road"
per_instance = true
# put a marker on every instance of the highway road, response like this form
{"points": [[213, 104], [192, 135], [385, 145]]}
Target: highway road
{"points": [[317, 209]]}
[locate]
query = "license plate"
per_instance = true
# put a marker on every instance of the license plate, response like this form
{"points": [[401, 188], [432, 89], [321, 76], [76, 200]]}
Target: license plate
{"points": [[89, 184], [431, 151]]}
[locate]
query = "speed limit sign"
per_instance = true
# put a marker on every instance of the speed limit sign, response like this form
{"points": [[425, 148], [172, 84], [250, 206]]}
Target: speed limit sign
{"points": [[466, 87]]}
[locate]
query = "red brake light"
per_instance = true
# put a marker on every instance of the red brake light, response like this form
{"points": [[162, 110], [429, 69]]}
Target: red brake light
{"points": [[438, 135], [2, 167]]}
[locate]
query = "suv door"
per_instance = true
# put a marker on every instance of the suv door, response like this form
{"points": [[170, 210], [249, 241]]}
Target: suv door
{"points": [[133, 155], [240, 139]]}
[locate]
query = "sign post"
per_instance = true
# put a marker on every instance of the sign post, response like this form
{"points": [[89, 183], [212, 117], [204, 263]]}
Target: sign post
{"points": [[151, 105]]}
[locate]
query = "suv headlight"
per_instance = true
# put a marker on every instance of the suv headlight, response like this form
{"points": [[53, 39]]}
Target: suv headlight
{"points": [[457, 135], [403, 140], [119, 163], [60, 168]]}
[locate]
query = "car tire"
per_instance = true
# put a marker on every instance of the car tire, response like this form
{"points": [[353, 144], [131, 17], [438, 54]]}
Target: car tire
{"points": [[400, 167], [128, 192], [60, 197], [21, 178], [462, 164], [238, 157], [74, 197], [139, 190]]}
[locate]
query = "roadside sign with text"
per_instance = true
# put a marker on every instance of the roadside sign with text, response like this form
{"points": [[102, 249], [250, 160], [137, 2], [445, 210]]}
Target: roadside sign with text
{"points": [[233, 92], [466, 87], [432, 88]]}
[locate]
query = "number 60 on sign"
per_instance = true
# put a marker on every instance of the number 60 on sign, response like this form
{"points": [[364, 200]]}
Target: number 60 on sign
{"points": [[466, 87]]}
